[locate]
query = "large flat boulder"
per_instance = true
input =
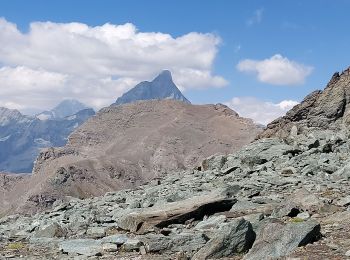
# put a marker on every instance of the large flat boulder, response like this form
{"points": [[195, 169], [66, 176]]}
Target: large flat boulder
{"points": [[177, 212]]}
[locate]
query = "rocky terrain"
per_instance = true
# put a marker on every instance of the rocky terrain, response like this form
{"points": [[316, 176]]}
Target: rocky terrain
{"points": [[162, 87], [22, 137], [126, 146], [283, 196], [327, 109], [273, 199]]}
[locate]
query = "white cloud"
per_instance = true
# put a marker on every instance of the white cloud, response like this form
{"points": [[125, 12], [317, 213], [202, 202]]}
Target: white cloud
{"points": [[96, 64], [276, 70], [260, 111], [256, 18]]}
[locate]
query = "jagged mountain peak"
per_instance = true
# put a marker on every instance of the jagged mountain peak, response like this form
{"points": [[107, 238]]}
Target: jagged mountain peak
{"points": [[161, 87], [164, 75], [65, 108]]}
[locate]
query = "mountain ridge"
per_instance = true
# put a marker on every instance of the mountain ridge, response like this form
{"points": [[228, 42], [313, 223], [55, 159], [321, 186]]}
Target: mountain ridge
{"points": [[65, 108], [22, 137]]}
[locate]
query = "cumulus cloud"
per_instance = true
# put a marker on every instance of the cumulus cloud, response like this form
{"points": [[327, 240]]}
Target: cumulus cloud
{"points": [[277, 70], [260, 111], [96, 64]]}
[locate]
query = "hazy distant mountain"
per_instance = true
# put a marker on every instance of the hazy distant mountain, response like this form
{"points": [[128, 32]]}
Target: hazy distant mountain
{"points": [[162, 87], [65, 108], [22, 137]]}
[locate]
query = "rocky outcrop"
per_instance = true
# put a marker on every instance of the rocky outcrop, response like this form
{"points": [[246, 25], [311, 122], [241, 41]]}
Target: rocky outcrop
{"points": [[327, 109]]}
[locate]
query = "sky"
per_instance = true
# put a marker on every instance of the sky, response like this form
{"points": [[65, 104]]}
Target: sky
{"points": [[258, 57]]}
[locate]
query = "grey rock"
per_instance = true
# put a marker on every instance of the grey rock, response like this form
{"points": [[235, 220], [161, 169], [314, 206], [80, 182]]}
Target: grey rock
{"points": [[132, 245], [118, 239], [186, 242], [344, 202], [109, 247], [51, 230], [304, 215], [96, 232], [277, 239], [232, 238], [86, 247], [211, 222]]}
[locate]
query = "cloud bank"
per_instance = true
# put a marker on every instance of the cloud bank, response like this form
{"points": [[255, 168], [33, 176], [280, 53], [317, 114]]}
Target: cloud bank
{"points": [[260, 111], [53, 61], [277, 70]]}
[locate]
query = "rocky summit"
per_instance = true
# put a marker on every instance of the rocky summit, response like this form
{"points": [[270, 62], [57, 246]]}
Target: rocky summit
{"points": [[162, 87], [276, 198]]}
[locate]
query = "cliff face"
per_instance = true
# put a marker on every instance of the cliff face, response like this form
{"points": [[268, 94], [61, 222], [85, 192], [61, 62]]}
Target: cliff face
{"points": [[327, 109]]}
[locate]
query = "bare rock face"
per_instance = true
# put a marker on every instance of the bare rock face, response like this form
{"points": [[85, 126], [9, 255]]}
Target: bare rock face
{"points": [[128, 145], [327, 109]]}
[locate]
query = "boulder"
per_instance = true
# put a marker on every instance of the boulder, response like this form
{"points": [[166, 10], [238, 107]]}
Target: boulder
{"points": [[50, 230], [86, 247], [177, 212], [276, 239], [232, 238]]}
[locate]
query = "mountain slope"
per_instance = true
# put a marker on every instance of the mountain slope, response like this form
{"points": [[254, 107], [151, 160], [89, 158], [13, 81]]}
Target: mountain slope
{"points": [[327, 109], [66, 108], [162, 87], [22, 137], [125, 146]]}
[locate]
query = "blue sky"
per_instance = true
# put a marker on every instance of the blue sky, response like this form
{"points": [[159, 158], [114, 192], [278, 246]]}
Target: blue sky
{"points": [[312, 34]]}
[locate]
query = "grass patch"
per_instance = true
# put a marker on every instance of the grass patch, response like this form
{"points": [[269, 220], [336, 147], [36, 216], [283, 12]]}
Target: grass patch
{"points": [[15, 246], [296, 220]]}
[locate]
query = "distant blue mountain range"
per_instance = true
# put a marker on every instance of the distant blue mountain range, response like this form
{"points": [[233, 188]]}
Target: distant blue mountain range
{"points": [[22, 137]]}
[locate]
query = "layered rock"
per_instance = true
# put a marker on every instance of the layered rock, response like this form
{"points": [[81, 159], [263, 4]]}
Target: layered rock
{"points": [[327, 109]]}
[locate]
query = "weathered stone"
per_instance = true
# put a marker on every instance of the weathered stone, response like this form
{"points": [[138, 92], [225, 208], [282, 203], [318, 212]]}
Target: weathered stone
{"points": [[50, 230], [344, 202], [277, 239], [211, 222], [108, 247], [86, 247], [175, 212], [132, 245], [288, 171], [186, 242], [232, 238], [304, 215], [96, 232], [117, 239]]}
